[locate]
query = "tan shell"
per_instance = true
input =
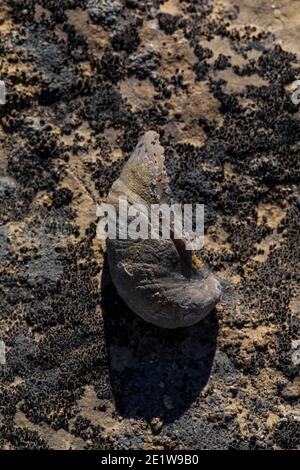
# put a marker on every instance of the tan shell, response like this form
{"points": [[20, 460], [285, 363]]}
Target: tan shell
{"points": [[156, 278]]}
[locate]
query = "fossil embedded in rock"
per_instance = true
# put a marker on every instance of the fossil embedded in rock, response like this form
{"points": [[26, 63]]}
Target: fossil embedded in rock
{"points": [[156, 278]]}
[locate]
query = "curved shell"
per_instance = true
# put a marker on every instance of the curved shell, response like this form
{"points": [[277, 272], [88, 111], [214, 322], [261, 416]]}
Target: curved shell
{"points": [[156, 278]]}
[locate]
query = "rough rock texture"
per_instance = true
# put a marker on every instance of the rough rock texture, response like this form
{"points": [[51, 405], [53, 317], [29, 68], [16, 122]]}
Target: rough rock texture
{"points": [[84, 80]]}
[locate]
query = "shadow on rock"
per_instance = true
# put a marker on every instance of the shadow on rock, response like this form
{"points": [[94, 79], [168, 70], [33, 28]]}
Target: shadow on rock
{"points": [[154, 372]]}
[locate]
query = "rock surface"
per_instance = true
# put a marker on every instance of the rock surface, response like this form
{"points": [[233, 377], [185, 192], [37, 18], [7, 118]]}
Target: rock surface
{"points": [[84, 80]]}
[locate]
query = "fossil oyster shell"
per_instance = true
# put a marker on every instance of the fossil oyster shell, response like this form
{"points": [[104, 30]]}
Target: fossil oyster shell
{"points": [[156, 278]]}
